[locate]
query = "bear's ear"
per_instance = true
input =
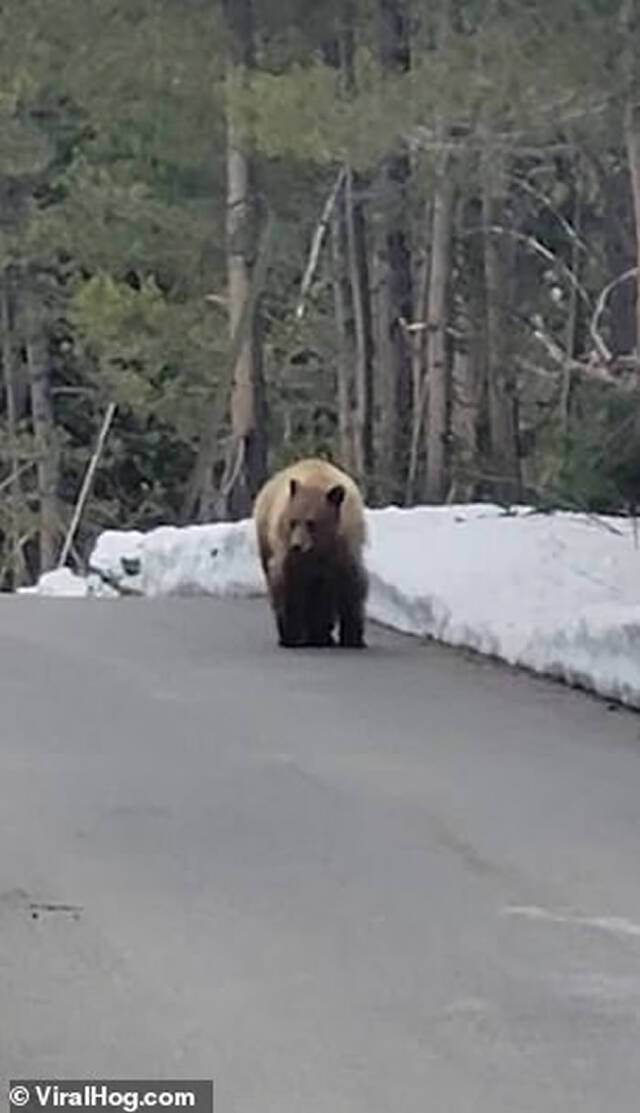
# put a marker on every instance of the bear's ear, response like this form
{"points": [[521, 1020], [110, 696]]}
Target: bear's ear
{"points": [[335, 496], [293, 487]]}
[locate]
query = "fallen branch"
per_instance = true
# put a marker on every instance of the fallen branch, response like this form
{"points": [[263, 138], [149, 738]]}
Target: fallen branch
{"points": [[112, 581], [11, 479], [536, 369], [552, 347], [547, 254], [316, 243], [600, 306], [621, 373], [87, 482]]}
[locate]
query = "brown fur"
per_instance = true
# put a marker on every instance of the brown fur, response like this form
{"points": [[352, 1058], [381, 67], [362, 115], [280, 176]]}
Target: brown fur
{"points": [[310, 527]]}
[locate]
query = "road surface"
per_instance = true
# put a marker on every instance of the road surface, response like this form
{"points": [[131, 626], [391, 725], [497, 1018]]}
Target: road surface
{"points": [[399, 881]]}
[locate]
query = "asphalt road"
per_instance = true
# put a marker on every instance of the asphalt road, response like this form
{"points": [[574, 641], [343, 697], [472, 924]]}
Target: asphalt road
{"points": [[335, 882]]}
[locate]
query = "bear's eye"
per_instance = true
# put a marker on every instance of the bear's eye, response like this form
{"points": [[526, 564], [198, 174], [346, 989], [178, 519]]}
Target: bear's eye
{"points": [[293, 524], [311, 525]]}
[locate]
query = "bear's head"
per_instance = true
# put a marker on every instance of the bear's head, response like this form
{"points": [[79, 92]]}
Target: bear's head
{"points": [[313, 516]]}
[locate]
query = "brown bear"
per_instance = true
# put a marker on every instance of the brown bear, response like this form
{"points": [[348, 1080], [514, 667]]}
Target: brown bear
{"points": [[310, 527]]}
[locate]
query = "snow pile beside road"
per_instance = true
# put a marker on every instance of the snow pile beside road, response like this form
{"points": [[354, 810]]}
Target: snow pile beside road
{"points": [[558, 593], [60, 581], [219, 559]]}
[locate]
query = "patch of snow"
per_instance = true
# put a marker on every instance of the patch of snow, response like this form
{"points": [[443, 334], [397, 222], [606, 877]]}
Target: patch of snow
{"points": [[60, 581], [116, 558], [218, 559], [556, 593]]}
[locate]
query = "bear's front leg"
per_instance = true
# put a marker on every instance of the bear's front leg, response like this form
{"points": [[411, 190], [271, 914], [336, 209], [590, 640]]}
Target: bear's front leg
{"points": [[320, 617], [291, 628], [320, 614], [289, 617], [288, 635], [351, 608]]}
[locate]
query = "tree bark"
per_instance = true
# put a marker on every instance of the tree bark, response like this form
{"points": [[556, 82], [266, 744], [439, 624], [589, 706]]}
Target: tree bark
{"points": [[419, 382], [632, 139], [358, 391], [48, 456], [246, 461], [359, 276], [469, 374], [438, 367], [345, 332], [16, 561], [619, 250], [200, 494], [502, 396], [629, 26], [571, 331], [392, 271], [43, 425]]}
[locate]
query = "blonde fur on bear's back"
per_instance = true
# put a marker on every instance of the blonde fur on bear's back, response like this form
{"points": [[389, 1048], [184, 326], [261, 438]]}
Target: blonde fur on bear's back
{"points": [[270, 506]]}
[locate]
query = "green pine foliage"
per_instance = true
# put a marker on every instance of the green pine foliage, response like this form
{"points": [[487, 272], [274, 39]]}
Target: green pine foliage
{"points": [[112, 224]]}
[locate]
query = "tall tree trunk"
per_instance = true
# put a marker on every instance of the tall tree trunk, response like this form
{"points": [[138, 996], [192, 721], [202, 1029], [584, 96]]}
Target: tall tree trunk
{"points": [[438, 368], [629, 18], [16, 561], [502, 393], [619, 250], [360, 294], [246, 460], [420, 311], [571, 331], [42, 418], [469, 357], [393, 271], [468, 381], [356, 300], [419, 381], [467, 373], [632, 140], [200, 494], [345, 332]]}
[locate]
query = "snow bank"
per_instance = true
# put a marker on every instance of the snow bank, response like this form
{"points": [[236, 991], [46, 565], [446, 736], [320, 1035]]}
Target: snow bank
{"points": [[61, 581], [558, 594], [219, 559]]}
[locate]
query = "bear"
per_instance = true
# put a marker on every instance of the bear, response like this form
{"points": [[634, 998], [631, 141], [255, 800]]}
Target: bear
{"points": [[310, 528]]}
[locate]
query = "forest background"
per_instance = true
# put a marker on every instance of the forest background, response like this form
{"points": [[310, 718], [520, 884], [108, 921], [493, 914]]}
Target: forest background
{"points": [[401, 234]]}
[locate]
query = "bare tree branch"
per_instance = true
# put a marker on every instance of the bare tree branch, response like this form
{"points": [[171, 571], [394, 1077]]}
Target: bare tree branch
{"points": [[463, 135], [24, 467], [571, 232], [545, 253], [600, 307], [86, 484], [317, 241], [622, 374]]}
